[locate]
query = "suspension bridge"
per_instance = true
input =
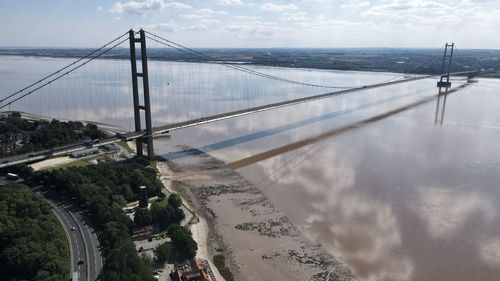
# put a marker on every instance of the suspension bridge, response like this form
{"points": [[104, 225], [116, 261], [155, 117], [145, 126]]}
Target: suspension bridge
{"points": [[144, 127]]}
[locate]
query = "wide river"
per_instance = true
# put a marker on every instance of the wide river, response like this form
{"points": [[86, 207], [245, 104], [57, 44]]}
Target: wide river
{"points": [[371, 175]]}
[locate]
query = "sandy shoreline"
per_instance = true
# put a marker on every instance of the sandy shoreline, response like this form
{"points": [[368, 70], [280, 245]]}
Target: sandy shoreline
{"points": [[259, 242], [199, 229]]}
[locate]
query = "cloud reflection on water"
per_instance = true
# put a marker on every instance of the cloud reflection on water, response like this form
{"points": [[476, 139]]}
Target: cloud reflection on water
{"points": [[363, 232], [446, 210]]}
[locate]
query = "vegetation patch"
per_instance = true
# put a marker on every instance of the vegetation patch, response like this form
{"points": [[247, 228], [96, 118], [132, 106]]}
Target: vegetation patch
{"points": [[220, 263], [33, 244], [161, 202], [125, 145], [19, 136], [163, 253], [105, 189], [491, 75], [182, 246]]}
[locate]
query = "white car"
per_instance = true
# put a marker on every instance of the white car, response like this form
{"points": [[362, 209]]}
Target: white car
{"points": [[73, 228]]}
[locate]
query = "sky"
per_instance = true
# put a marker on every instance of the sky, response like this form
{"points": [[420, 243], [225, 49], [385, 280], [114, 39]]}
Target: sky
{"points": [[255, 23]]}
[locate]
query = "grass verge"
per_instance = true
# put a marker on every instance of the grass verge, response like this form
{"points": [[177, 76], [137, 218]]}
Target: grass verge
{"points": [[126, 146]]}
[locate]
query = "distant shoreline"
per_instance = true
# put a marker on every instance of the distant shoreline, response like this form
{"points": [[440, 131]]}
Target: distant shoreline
{"points": [[397, 60]]}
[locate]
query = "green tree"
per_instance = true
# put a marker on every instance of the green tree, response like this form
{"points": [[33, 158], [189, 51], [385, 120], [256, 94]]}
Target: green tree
{"points": [[175, 200], [163, 253], [142, 217], [183, 245], [33, 244]]}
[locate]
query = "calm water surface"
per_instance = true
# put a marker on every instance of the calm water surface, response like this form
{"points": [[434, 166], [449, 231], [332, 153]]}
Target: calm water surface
{"points": [[395, 198]]}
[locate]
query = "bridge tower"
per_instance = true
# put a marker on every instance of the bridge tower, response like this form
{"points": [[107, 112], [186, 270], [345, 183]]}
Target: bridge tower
{"points": [[146, 107], [444, 82]]}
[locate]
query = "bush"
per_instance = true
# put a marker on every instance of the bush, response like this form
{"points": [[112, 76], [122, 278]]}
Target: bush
{"points": [[220, 263], [175, 200]]}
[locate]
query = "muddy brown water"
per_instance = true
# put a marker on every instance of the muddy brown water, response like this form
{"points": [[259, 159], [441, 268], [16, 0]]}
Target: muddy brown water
{"points": [[396, 198], [399, 198]]}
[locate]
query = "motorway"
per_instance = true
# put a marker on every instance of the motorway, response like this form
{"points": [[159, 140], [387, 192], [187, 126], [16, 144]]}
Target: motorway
{"points": [[84, 245]]}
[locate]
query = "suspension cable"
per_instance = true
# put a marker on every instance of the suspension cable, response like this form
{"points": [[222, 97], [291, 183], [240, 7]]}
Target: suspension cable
{"points": [[209, 58], [64, 74], [62, 69]]}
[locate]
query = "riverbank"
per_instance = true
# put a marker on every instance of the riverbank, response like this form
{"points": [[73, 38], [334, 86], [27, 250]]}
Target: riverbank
{"points": [[198, 225], [257, 241]]}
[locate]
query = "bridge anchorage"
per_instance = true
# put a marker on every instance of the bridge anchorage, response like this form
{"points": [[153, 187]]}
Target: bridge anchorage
{"points": [[146, 107]]}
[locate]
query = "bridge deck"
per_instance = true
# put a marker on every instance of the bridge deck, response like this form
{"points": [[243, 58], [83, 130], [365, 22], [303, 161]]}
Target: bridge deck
{"points": [[61, 151]]}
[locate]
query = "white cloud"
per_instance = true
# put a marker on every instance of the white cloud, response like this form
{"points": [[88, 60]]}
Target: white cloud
{"points": [[165, 27], [211, 12], [176, 6], [254, 28], [248, 17], [229, 2], [363, 23], [235, 27], [355, 5], [197, 27], [203, 14], [141, 8], [405, 8], [298, 16], [137, 7], [270, 7]]}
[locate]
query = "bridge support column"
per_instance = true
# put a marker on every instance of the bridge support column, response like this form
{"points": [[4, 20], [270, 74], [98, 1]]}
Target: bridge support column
{"points": [[444, 81], [146, 107]]}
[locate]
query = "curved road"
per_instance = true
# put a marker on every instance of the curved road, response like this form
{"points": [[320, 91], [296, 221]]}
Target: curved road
{"points": [[84, 245]]}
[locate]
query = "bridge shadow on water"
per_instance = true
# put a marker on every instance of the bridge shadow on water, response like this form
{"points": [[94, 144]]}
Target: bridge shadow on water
{"points": [[356, 125], [293, 146], [277, 130]]}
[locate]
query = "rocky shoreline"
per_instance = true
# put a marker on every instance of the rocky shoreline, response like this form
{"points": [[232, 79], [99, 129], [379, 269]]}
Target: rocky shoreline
{"points": [[257, 241]]}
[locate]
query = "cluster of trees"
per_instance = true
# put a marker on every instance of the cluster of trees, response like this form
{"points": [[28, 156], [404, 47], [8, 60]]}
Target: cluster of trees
{"points": [[164, 216], [101, 185], [18, 135], [33, 244], [105, 189], [22, 170], [121, 261], [181, 247]]}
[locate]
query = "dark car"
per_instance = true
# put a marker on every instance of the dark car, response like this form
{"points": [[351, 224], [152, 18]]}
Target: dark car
{"points": [[80, 262]]}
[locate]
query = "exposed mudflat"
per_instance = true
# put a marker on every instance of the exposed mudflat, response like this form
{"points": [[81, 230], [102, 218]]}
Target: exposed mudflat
{"points": [[259, 242]]}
